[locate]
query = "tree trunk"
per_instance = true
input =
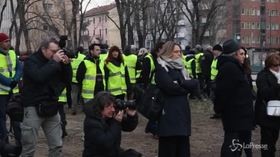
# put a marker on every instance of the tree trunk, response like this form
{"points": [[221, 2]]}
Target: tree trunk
{"points": [[2, 11]]}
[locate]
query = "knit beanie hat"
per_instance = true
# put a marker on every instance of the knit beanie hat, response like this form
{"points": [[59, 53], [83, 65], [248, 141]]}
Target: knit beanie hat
{"points": [[230, 46], [218, 47], [3, 37]]}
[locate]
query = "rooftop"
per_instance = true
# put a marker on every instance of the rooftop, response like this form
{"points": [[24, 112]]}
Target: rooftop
{"points": [[100, 10]]}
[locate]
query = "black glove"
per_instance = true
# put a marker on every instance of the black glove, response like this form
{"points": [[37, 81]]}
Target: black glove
{"points": [[13, 84]]}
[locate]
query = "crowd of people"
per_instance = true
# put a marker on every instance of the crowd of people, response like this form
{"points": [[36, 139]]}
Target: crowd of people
{"points": [[102, 80]]}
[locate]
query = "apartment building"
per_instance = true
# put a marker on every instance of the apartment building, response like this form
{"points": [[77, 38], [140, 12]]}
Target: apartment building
{"points": [[102, 27], [255, 23]]}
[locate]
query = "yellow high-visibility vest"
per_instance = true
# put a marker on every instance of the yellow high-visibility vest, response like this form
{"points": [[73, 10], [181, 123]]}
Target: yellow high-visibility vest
{"points": [[75, 64], [152, 66], [189, 67], [197, 62], [4, 90], [130, 62], [89, 82], [103, 56], [63, 97], [214, 70], [116, 81]]}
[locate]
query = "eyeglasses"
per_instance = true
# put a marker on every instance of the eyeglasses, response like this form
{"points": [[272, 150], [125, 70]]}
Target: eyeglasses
{"points": [[53, 51]]}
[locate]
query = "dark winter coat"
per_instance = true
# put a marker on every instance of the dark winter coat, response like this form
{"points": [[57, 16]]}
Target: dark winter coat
{"points": [[233, 96], [176, 117], [268, 89], [103, 137], [43, 79]]}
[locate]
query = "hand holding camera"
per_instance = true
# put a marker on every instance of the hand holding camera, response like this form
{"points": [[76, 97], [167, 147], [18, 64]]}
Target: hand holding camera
{"points": [[58, 56], [119, 116]]}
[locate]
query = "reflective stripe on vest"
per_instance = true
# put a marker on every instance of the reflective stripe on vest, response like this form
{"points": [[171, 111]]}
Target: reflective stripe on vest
{"points": [[116, 81], [214, 70], [197, 62], [130, 62], [75, 64], [4, 68], [88, 84], [62, 97], [152, 66]]}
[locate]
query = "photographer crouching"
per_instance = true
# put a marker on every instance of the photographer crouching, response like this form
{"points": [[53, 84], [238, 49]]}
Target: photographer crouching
{"points": [[103, 125]]}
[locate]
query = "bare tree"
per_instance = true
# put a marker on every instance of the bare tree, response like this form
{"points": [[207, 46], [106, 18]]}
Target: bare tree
{"points": [[162, 25], [82, 24], [3, 7], [198, 9], [141, 20], [125, 11]]}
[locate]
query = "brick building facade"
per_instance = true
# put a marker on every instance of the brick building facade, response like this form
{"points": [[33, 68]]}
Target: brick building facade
{"points": [[255, 23]]}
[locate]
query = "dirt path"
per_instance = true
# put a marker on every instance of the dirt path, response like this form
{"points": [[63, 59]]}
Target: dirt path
{"points": [[206, 139]]}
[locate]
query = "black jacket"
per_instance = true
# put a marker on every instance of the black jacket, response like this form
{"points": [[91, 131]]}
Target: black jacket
{"points": [[176, 117], [43, 79], [103, 137], [268, 89], [233, 97]]}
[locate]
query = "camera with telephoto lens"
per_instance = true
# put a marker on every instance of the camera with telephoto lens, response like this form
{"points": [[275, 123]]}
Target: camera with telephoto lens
{"points": [[62, 44], [122, 104]]}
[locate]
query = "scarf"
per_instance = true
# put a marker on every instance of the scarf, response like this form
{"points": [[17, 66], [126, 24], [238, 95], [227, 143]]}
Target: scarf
{"points": [[173, 64], [276, 74]]}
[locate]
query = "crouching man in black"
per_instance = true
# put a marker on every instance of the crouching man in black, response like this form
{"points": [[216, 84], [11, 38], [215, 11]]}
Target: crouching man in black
{"points": [[103, 125]]}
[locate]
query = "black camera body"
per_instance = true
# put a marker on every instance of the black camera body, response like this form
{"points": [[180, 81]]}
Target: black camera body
{"points": [[122, 104], [62, 44]]}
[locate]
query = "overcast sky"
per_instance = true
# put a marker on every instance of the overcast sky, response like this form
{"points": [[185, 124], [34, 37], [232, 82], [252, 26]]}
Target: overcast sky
{"points": [[95, 3]]}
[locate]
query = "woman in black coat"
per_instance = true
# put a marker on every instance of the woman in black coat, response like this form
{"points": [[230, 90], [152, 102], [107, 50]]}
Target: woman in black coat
{"points": [[103, 126], [174, 85], [234, 101], [268, 84]]}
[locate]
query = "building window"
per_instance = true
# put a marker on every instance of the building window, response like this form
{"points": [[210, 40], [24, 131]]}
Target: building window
{"points": [[242, 11], [258, 13], [106, 31], [273, 13], [253, 26], [242, 25], [94, 32], [93, 20], [100, 19], [100, 32], [105, 18]]}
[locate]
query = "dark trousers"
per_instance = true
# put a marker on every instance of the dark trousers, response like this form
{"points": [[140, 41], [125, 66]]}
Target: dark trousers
{"points": [[233, 144], [152, 127], [3, 106], [15, 126], [62, 116], [174, 146], [269, 137]]}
